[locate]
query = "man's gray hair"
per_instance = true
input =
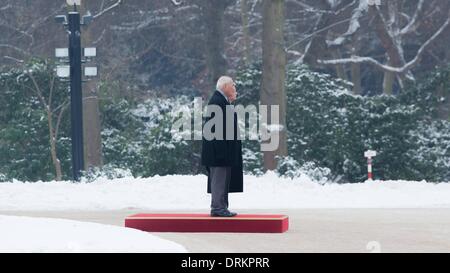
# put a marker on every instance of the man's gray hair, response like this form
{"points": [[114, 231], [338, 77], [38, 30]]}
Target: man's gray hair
{"points": [[222, 81]]}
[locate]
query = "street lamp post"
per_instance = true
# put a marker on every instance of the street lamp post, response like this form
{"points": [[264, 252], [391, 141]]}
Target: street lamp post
{"points": [[73, 55], [76, 99]]}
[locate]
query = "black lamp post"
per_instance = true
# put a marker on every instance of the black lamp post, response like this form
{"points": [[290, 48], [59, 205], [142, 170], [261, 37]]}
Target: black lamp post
{"points": [[76, 98], [73, 22]]}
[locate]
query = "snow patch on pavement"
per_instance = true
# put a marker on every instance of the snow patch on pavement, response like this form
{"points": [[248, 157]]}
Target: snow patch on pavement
{"points": [[26, 234]]}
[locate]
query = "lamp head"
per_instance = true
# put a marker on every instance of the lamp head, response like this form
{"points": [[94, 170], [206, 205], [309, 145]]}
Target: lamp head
{"points": [[62, 19]]}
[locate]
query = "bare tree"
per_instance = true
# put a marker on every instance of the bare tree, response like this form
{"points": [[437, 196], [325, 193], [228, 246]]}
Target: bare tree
{"points": [[54, 117], [392, 25]]}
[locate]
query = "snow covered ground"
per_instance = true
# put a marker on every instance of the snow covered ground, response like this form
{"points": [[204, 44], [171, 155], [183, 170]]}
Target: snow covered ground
{"points": [[183, 192], [26, 234]]}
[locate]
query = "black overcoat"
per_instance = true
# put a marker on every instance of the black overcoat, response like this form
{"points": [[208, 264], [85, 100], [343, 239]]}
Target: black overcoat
{"points": [[225, 152]]}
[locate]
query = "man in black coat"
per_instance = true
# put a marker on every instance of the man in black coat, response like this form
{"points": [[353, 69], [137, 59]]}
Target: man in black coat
{"points": [[222, 148]]}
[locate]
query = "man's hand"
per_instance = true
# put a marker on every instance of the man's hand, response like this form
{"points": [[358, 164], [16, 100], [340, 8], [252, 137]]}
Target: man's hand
{"points": [[229, 89], [233, 96]]}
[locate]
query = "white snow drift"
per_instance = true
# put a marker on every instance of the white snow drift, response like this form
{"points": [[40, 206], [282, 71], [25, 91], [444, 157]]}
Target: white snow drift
{"points": [[25, 234], [184, 192]]}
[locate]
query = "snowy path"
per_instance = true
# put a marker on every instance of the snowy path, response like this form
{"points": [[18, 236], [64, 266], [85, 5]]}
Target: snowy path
{"points": [[311, 230]]}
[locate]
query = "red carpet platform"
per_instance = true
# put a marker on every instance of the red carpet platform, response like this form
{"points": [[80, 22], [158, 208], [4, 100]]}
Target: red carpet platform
{"points": [[205, 223]]}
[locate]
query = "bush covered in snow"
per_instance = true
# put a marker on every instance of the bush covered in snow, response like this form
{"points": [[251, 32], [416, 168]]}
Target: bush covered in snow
{"points": [[332, 128], [107, 171], [139, 138], [289, 167]]}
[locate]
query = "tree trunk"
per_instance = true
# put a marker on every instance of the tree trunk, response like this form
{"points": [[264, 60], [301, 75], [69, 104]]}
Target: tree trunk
{"points": [[213, 15], [355, 68], [273, 73], [340, 68], [444, 106], [91, 110], [245, 31], [356, 78], [388, 82], [92, 127], [53, 149], [392, 44]]}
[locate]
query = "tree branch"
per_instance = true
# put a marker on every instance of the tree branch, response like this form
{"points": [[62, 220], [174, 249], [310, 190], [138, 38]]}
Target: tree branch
{"points": [[403, 69], [13, 59], [412, 25], [23, 52], [107, 9], [38, 91], [353, 25], [58, 121], [317, 32], [177, 3]]}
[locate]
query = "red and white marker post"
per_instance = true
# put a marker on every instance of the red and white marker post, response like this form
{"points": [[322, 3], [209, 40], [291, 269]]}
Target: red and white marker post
{"points": [[369, 154]]}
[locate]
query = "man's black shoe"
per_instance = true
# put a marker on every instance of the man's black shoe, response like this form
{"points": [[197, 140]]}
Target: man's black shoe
{"points": [[223, 213]]}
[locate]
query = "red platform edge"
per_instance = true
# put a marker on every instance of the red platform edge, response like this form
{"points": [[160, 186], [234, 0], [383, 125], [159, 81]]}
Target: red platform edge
{"points": [[248, 223]]}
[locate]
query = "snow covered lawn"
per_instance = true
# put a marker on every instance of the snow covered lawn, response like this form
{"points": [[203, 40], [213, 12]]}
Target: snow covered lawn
{"points": [[25, 234], [184, 192]]}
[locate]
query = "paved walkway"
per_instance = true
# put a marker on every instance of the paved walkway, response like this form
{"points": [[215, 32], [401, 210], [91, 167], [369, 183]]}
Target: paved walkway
{"points": [[311, 230]]}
